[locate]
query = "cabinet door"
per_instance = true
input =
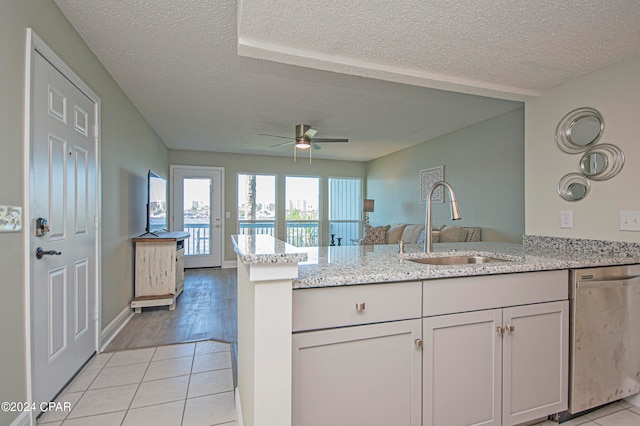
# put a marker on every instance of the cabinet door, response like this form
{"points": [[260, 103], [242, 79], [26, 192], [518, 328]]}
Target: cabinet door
{"points": [[363, 375], [535, 377], [155, 268], [462, 369]]}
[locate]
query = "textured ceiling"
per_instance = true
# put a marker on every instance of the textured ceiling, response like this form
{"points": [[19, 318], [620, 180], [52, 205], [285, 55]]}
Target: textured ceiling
{"points": [[212, 75]]}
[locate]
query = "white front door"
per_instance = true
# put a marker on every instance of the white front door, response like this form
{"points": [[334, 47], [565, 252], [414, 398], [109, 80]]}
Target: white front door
{"points": [[196, 207], [62, 188]]}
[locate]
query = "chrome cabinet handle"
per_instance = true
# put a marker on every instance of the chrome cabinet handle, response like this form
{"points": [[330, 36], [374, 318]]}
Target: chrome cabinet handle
{"points": [[360, 307], [506, 329], [419, 343]]}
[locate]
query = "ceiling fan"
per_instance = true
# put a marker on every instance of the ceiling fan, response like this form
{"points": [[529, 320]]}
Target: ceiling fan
{"points": [[304, 138]]}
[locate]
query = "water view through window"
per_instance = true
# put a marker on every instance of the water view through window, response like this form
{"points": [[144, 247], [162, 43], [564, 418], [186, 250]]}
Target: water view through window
{"points": [[302, 210], [197, 218], [256, 204]]}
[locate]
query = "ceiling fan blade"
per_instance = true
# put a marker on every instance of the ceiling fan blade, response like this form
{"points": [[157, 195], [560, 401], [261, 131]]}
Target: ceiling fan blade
{"points": [[283, 144], [315, 146], [275, 136], [310, 133], [321, 140]]}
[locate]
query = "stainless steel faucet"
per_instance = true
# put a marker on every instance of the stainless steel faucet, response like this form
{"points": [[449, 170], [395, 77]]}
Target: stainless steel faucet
{"points": [[455, 214]]}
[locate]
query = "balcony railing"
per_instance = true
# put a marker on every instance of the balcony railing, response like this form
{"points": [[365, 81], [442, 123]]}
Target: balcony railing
{"points": [[302, 234], [256, 227], [198, 242], [299, 234]]}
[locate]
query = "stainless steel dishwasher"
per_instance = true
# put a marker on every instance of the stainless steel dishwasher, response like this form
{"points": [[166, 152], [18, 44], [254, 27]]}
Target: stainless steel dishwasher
{"points": [[605, 335]]}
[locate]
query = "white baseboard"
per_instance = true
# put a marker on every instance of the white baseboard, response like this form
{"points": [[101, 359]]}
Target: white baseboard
{"points": [[111, 331], [239, 420], [230, 264], [22, 420]]}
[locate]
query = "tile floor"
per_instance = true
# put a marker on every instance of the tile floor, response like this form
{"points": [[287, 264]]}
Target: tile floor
{"points": [[619, 413], [188, 384], [192, 384]]}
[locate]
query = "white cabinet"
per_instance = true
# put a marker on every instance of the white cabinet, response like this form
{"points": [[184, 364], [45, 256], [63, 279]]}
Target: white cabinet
{"points": [[504, 366], [535, 361], [462, 369], [361, 365], [362, 375], [495, 351], [159, 270]]}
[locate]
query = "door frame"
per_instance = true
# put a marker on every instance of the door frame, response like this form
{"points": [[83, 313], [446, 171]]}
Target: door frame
{"points": [[172, 168], [34, 46]]}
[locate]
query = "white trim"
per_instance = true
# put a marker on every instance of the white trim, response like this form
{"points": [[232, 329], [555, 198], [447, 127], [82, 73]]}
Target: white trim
{"points": [[25, 420], [36, 44], [115, 327], [229, 264], [172, 167], [239, 419], [252, 48], [26, 211]]}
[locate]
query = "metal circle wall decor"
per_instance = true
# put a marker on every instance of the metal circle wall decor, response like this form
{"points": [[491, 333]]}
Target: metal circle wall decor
{"points": [[574, 187], [602, 162], [579, 130]]}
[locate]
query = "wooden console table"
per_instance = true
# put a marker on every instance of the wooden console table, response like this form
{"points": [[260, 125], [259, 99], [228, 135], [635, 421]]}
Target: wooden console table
{"points": [[159, 269]]}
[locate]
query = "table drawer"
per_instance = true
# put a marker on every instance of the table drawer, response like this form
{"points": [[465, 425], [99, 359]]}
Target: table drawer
{"points": [[330, 307]]}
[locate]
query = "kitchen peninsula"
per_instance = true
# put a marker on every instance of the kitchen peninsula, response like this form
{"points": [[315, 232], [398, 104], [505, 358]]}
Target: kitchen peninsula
{"points": [[291, 299]]}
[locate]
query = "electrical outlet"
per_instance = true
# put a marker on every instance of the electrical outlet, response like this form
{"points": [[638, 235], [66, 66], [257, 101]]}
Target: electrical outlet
{"points": [[566, 219], [629, 220]]}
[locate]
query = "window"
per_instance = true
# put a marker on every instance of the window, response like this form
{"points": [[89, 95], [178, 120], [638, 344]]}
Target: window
{"points": [[302, 210], [256, 204], [345, 210]]}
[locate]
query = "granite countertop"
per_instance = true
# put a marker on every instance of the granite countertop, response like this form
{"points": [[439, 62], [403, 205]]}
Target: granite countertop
{"points": [[349, 265], [263, 249]]}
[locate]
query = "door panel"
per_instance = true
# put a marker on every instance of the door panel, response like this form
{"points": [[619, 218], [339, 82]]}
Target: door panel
{"points": [[57, 312], [535, 379], [57, 187], [462, 368], [62, 181], [333, 368], [81, 309], [81, 193]]}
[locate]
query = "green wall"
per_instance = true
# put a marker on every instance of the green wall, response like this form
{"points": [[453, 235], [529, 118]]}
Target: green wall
{"points": [[484, 165], [281, 166], [129, 148]]}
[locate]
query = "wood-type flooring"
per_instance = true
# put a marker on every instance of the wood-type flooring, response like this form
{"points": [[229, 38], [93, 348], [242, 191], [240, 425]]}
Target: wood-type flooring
{"points": [[206, 310]]}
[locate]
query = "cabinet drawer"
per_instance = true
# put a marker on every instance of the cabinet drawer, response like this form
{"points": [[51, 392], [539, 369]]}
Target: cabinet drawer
{"points": [[330, 307], [466, 294]]}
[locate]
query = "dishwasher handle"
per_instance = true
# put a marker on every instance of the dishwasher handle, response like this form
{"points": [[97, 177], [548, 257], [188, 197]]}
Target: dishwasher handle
{"points": [[610, 283]]}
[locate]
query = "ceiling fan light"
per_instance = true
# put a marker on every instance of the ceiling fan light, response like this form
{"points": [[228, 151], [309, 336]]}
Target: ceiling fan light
{"points": [[303, 144]]}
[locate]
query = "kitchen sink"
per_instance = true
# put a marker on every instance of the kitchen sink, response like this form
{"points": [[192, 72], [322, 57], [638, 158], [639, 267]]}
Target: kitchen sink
{"points": [[457, 260]]}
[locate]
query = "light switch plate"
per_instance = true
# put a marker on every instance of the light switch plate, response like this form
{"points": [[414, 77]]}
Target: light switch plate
{"points": [[630, 220], [227, 215], [566, 219]]}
